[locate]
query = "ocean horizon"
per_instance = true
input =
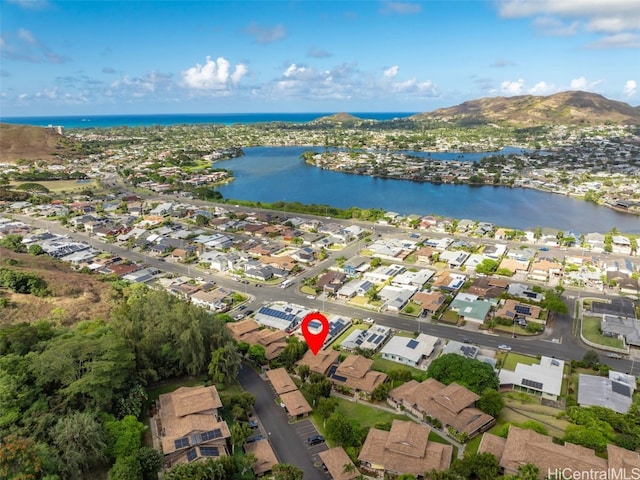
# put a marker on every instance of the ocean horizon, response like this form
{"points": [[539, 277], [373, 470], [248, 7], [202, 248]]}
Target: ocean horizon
{"points": [[148, 120]]}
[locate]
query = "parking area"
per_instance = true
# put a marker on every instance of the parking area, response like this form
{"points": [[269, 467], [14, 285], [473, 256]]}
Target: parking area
{"points": [[616, 306], [305, 429]]}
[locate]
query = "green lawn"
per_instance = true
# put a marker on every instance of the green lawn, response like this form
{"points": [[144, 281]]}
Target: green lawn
{"points": [[512, 359], [474, 443], [347, 332], [382, 365], [449, 317], [413, 309], [591, 331]]}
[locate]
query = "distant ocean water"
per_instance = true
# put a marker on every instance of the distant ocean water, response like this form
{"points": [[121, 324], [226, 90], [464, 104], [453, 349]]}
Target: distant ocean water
{"points": [[103, 121]]}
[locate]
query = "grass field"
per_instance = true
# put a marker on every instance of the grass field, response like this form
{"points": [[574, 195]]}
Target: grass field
{"points": [[591, 331], [517, 412], [345, 334], [382, 365], [58, 186], [512, 359]]}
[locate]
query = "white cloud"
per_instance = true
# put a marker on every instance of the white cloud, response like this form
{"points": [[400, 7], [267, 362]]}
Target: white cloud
{"points": [[391, 71], [554, 27], [31, 4], [264, 35], [512, 88], [618, 40], [214, 75], [630, 88], [581, 83], [401, 8], [542, 88], [568, 17], [25, 35]]}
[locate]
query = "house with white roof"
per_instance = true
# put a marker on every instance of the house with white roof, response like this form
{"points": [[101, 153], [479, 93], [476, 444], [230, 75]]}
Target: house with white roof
{"points": [[282, 316], [353, 288], [454, 259], [395, 298], [409, 351], [383, 273], [544, 379], [415, 279]]}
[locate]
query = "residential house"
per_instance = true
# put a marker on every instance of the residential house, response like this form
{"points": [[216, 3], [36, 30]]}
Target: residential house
{"points": [[527, 446], [282, 316], [331, 281], [524, 291], [189, 425], [213, 300], [488, 287], [470, 308], [430, 301], [295, 404], [447, 281], [453, 405], [370, 339], [454, 259], [404, 449], [335, 461], [321, 362], [544, 378], [544, 270], [395, 298], [356, 266], [425, 255], [614, 392], [355, 373], [353, 288], [520, 312], [265, 456], [625, 328], [514, 266], [249, 331], [620, 244], [384, 273], [409, 351], [281, 381], [413, 278]]}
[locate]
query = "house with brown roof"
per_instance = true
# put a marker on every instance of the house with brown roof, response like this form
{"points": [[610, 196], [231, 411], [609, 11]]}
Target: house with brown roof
{"points": [[295, 404], [430, 301], [488, 287], [453, 405], [527, 446], [265, 456], [335, 460], [281, 381], [331, 281], [520, 312], [425, 254], [404, 449], [355, 373], [514, 266], [189, 426], [544, 270], [284, 262], [251, 332], [320, 363]]}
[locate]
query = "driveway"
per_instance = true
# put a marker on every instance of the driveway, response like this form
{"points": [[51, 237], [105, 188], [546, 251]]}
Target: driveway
{"points": [[288, 440]]}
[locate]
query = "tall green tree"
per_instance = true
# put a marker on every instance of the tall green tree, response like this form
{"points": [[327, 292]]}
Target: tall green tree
{"points": [[81, 443], [477, 376], [285, 471], [225, 364]]}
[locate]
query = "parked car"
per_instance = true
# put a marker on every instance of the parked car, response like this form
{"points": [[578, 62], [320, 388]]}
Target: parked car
{"points": [[466, 340], [613, 355], [368, 320], [506, 348], [315, 439]]}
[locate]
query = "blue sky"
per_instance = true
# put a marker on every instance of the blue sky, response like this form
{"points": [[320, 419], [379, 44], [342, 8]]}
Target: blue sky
{"points": [[131, 57]]}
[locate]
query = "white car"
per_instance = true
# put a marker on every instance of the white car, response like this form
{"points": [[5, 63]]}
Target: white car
{"points": [[369, 320], [311, 297], [506, 348]]}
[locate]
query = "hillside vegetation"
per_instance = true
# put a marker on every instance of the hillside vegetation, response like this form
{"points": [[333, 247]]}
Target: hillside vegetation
{"points": [[565, 108], [20, 143]]}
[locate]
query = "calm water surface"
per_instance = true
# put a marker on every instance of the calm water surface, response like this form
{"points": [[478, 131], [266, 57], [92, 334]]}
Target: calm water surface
{"points": [[270, 174]]}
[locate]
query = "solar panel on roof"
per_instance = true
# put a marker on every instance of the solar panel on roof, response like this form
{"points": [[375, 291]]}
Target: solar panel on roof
{"points": [[530, 294], [211, 434], [196, 439], [191, 454], [181, 442], [621, 389], [378, 340], [339, 378], [531, 383], [412, 344], [209, 451], [372, 338], [523, 309]]}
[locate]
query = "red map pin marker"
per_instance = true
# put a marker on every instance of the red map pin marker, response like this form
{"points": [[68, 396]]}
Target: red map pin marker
{"points": [[315, 340]]}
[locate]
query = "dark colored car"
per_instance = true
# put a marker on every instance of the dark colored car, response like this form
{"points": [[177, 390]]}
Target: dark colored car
{"points": [[315, 439], [466, 340]]}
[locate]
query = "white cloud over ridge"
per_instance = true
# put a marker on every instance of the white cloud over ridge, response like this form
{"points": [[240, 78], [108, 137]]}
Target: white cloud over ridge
{"points": [[630, 88], [214, 75], [568, 17]]}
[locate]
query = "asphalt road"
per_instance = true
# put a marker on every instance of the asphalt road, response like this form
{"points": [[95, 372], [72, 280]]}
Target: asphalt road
{"points": [[559, 342], [284, 438]]}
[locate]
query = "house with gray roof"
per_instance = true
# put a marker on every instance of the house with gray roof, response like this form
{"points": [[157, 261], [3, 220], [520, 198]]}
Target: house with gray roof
{"points": [[627, 329], [409, 351], [604, 392]]}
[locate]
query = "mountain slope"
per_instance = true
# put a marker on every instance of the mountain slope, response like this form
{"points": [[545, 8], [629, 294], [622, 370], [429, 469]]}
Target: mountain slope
{"points": [[26, 142], [565, 108]]}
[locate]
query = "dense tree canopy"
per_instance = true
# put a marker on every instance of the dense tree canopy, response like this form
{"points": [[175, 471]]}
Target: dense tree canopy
{"points": [[475, 375]]}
